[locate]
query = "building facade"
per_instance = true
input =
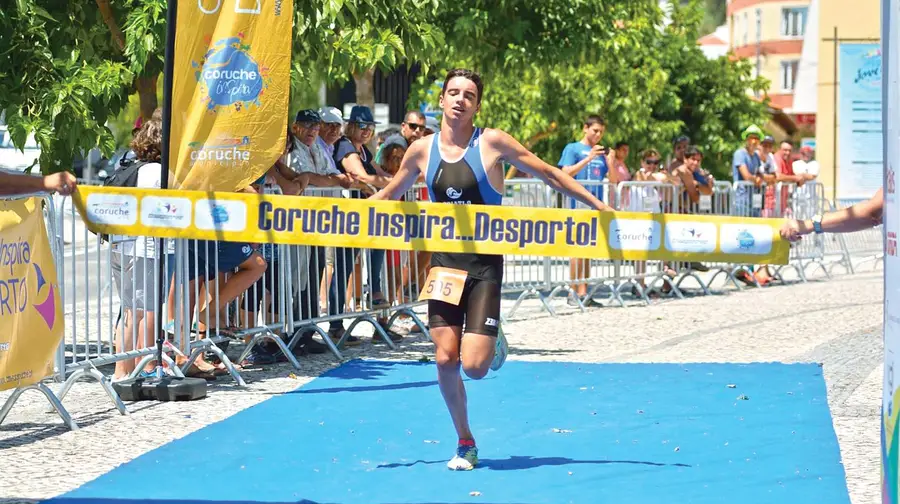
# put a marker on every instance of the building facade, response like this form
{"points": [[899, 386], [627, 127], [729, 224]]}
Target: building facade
{"points": [[770, 34]]}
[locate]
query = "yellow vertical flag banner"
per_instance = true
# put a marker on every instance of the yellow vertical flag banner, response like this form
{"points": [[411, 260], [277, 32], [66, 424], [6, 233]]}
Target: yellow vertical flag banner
{"points": [[31, 317], [230, 92]]}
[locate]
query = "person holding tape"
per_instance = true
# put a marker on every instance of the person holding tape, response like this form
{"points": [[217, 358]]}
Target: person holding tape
{"points": [[463, 289], [863, 215]]}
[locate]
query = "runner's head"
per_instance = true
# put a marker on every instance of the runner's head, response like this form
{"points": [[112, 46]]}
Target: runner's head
{"points": [[461, 96]]}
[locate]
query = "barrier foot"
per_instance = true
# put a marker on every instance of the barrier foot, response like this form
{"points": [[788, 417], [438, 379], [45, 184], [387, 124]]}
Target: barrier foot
{"points": [[695, 276], [365, 317], [531, 293], [51, 397], [102, 380], [274, 338], [229, 366], [416, 320], [321, 332]]}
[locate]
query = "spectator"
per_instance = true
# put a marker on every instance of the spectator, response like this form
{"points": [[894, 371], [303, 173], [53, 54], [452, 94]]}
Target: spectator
{"points": [[679, 146], [769, 171], [745, 168], [618, 173], [135, 265], [693, 179], [806, 166], [432, 125], [585, 160], [351, 156], [411, 129]]}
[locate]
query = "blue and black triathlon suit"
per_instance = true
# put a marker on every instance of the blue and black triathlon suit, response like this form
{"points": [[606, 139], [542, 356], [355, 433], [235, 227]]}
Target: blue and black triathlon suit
{"points": [[465, 182]]}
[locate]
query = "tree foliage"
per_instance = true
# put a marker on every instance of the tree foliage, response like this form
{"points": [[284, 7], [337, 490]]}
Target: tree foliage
{"points": [[651, 83], [70, 70]]}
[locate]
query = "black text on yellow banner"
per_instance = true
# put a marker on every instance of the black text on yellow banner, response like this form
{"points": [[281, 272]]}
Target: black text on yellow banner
{"points": [[433, 227]]}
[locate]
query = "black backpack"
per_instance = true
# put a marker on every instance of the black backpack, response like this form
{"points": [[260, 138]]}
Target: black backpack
{"points": [[126, 174]]}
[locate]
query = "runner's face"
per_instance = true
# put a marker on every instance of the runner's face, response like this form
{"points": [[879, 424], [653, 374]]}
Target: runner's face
{"points": [[459, 101]]}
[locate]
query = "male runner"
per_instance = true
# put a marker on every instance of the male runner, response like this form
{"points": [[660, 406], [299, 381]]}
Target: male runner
{"points": [[460, 166]]}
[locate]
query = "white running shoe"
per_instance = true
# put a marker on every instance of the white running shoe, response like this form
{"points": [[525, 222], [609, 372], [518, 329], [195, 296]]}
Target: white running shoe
{"points": [[466, 459], [501, 351]]}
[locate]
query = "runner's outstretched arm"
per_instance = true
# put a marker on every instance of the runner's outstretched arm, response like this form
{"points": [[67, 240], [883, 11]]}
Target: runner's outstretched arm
{"points": [[860, 216], [405, 177], [523, 159]]}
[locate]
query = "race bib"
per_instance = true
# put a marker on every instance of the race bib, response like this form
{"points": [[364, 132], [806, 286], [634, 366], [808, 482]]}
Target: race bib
{"points": [[444, 284], [705, 203]]}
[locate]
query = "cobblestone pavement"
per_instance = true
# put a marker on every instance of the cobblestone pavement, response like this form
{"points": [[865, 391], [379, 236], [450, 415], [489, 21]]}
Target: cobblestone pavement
{"points": [[836, 323]]}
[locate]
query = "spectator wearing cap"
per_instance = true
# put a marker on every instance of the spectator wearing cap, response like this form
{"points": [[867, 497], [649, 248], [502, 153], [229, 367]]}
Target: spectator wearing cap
{"points": [[806, 166], [330, 132], [432, 125], [745, 165], [351, 156], [307, 157], [411, 129]]}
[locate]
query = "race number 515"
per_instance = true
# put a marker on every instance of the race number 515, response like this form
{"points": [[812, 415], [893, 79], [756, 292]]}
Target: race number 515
{"points": [[444, 284]]}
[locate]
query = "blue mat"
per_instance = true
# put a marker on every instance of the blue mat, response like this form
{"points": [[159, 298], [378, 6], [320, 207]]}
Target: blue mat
{"points": [[378, 432]]}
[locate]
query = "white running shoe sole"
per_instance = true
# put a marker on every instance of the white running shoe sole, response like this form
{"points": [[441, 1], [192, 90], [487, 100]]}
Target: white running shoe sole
{"points": [[501, 351], [458, 463]]}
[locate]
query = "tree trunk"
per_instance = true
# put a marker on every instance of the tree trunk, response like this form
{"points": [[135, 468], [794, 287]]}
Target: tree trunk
{"points": [[365, 88], [146, 87], [107, 14]]}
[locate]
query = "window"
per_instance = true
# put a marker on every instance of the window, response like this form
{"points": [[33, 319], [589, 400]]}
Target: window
{"points": [[788, 74], [793, 22]]}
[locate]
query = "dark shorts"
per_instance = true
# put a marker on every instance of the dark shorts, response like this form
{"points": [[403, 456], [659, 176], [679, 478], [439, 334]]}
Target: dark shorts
{"points": [[478, 309], [230, 256]]}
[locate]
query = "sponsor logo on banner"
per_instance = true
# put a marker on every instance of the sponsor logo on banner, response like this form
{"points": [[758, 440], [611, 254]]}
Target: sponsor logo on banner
{"points": [[869, 71], [166, 212], [212, 215], [691, 236], [115, 209], [224, 152], [627, 234], [230, 76], [891, 244], [746, 239]]}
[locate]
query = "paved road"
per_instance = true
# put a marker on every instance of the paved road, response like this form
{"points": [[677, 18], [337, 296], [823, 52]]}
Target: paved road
{"points": [[835, 323]]}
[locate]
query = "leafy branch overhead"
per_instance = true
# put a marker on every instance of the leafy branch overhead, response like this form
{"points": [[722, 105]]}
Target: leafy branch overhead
{"points": [[68, 69]]}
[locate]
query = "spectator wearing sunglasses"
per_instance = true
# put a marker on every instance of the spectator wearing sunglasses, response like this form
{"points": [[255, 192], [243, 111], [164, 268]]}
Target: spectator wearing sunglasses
{"points": [[411, 129]]}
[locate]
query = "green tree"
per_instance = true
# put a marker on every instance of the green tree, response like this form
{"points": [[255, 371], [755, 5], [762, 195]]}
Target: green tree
{"points": [[70, 70], [651, 83]]}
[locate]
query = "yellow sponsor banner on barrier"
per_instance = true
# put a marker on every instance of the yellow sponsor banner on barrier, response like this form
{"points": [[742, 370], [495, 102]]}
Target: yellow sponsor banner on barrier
{"points": [[230, 91], [31, 318], [436, 227]]}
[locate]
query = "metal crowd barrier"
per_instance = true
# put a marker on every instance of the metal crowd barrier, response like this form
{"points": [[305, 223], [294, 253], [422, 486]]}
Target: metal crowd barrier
{"points": [[112, 295]]}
